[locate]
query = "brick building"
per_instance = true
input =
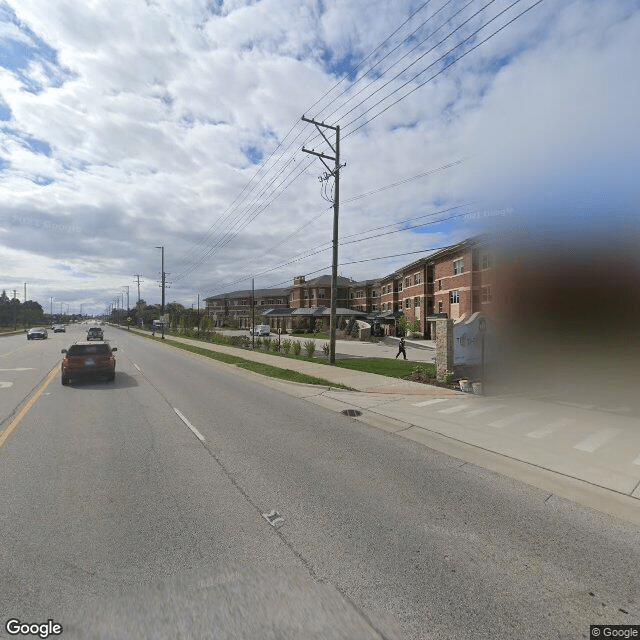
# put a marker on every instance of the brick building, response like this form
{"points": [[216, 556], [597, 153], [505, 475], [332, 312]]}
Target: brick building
{"points": [[454, 282]]}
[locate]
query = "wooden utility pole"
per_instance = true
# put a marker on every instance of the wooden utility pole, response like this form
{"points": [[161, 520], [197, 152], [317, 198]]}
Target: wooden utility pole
{"points": [[335, 174]]}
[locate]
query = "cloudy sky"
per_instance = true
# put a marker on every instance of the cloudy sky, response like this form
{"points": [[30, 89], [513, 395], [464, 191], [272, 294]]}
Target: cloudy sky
{"points": [[132, 124]]}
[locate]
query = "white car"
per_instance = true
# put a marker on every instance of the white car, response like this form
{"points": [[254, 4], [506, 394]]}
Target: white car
{"points": [[260, 330]]}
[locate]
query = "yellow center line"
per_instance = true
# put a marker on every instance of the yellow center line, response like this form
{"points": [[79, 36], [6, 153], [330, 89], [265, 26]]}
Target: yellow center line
{"points": [[27, 407]]}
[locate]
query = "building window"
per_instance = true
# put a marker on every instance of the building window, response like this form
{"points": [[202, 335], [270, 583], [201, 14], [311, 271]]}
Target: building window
{"points": [[458, 266], [407, 281], [407, 303], [306, 294], [440, 306], [416, 302], [417, 278], [454, 297], [487, 261], [440, 285], [359, 294], [313, 293], [399, 285], [374, 293], [487, 294], [321, 294]]}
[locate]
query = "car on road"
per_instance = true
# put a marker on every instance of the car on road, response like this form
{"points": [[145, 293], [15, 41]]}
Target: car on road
{"points": [[88, 359], [37, 333], [59, 328], [95, 333]]}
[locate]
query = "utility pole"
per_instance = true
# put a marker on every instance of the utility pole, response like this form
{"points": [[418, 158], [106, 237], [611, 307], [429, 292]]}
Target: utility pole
{"points": [[335, 174], [25, 291], [162, 285], [137, 277], [253, 314]]}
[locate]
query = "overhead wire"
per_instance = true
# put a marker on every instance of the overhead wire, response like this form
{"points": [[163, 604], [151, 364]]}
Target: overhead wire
{"points": [[248, 215]]}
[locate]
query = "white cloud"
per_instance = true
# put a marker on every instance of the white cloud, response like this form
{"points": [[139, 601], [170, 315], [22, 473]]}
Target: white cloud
{"points": [[153, 111]]}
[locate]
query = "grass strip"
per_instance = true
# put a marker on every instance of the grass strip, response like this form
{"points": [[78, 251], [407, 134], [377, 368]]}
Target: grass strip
{"points": [[257, 367], [287, 374]]}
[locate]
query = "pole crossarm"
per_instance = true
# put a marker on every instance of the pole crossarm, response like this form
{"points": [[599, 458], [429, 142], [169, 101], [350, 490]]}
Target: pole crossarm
{"points": [[320, 155]]}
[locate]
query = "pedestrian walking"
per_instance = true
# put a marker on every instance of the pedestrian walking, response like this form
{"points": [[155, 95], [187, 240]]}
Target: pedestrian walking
{"points": [[401, 349]]}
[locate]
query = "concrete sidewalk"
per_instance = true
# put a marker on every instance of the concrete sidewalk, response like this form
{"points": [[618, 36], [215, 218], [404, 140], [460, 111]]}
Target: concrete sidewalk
{"points": [[587, 455]]}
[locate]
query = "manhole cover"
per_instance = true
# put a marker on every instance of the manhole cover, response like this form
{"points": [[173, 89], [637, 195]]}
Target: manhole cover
{"points": [[352, 412]]}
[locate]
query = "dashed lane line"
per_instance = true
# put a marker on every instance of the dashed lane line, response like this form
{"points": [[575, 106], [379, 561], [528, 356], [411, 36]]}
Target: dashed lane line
{"points": [[195, 432]]}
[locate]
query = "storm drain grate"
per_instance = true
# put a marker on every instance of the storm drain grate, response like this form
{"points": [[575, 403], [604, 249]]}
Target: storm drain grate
{"points": [[352, 412], [273, 518]]}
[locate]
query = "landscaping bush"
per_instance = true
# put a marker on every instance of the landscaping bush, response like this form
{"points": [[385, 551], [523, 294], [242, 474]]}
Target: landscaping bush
{"points": [[286, 346], [258, 343], [266, 344], [326, 348], [297, 347], [275, 346], [310, 347]]}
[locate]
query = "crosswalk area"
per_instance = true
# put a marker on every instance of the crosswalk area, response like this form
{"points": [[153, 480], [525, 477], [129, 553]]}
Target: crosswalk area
{"points": [[567, 439]]}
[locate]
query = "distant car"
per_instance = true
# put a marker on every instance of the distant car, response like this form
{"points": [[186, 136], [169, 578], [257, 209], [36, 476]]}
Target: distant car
{"points": [[260, 330], [37, 333], [95, 333], [88, 359], [59, 328]]}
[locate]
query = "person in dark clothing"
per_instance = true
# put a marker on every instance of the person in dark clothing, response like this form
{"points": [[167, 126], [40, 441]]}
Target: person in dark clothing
{"points": [[401, 349]]}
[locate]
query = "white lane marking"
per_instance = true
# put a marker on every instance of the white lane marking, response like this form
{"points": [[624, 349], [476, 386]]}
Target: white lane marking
{"points": [[487, 409], [596, 440], [19, 369], [508, 421], [550, 428], [273, 518], [196, 433], [428, 402], [137, 367], [6, 385], [455, 409]]}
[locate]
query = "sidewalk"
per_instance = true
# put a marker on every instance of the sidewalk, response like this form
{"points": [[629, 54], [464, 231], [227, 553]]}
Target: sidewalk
{"points": [[576, 452]]}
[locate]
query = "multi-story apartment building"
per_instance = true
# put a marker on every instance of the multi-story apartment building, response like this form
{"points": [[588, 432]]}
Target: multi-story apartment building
{"points": [[453, 282]]}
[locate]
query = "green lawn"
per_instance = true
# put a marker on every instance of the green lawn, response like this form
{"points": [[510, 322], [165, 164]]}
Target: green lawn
{"points": [[257, 367], [389, 367]]}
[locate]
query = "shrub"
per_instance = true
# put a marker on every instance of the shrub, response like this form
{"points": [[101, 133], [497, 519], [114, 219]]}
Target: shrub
{"points": [[326, 348], [286, 346], [423, 370], [258, 343], [297, 347], [275, 346], [310, 347], [266, 344]]}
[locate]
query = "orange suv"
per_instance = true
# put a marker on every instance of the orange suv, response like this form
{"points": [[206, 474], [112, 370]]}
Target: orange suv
{"points": [[85, 359]]}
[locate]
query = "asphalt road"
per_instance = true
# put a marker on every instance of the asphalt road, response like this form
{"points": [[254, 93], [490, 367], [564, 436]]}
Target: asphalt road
{"points": [[134, 509]]}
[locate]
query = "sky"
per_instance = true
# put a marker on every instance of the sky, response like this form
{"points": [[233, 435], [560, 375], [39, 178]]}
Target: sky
{"points": [[131, 125]]}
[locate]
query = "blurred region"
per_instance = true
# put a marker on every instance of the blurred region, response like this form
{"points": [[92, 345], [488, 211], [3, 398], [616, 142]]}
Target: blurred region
{"points": [[567, 305], [266, 604]]}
